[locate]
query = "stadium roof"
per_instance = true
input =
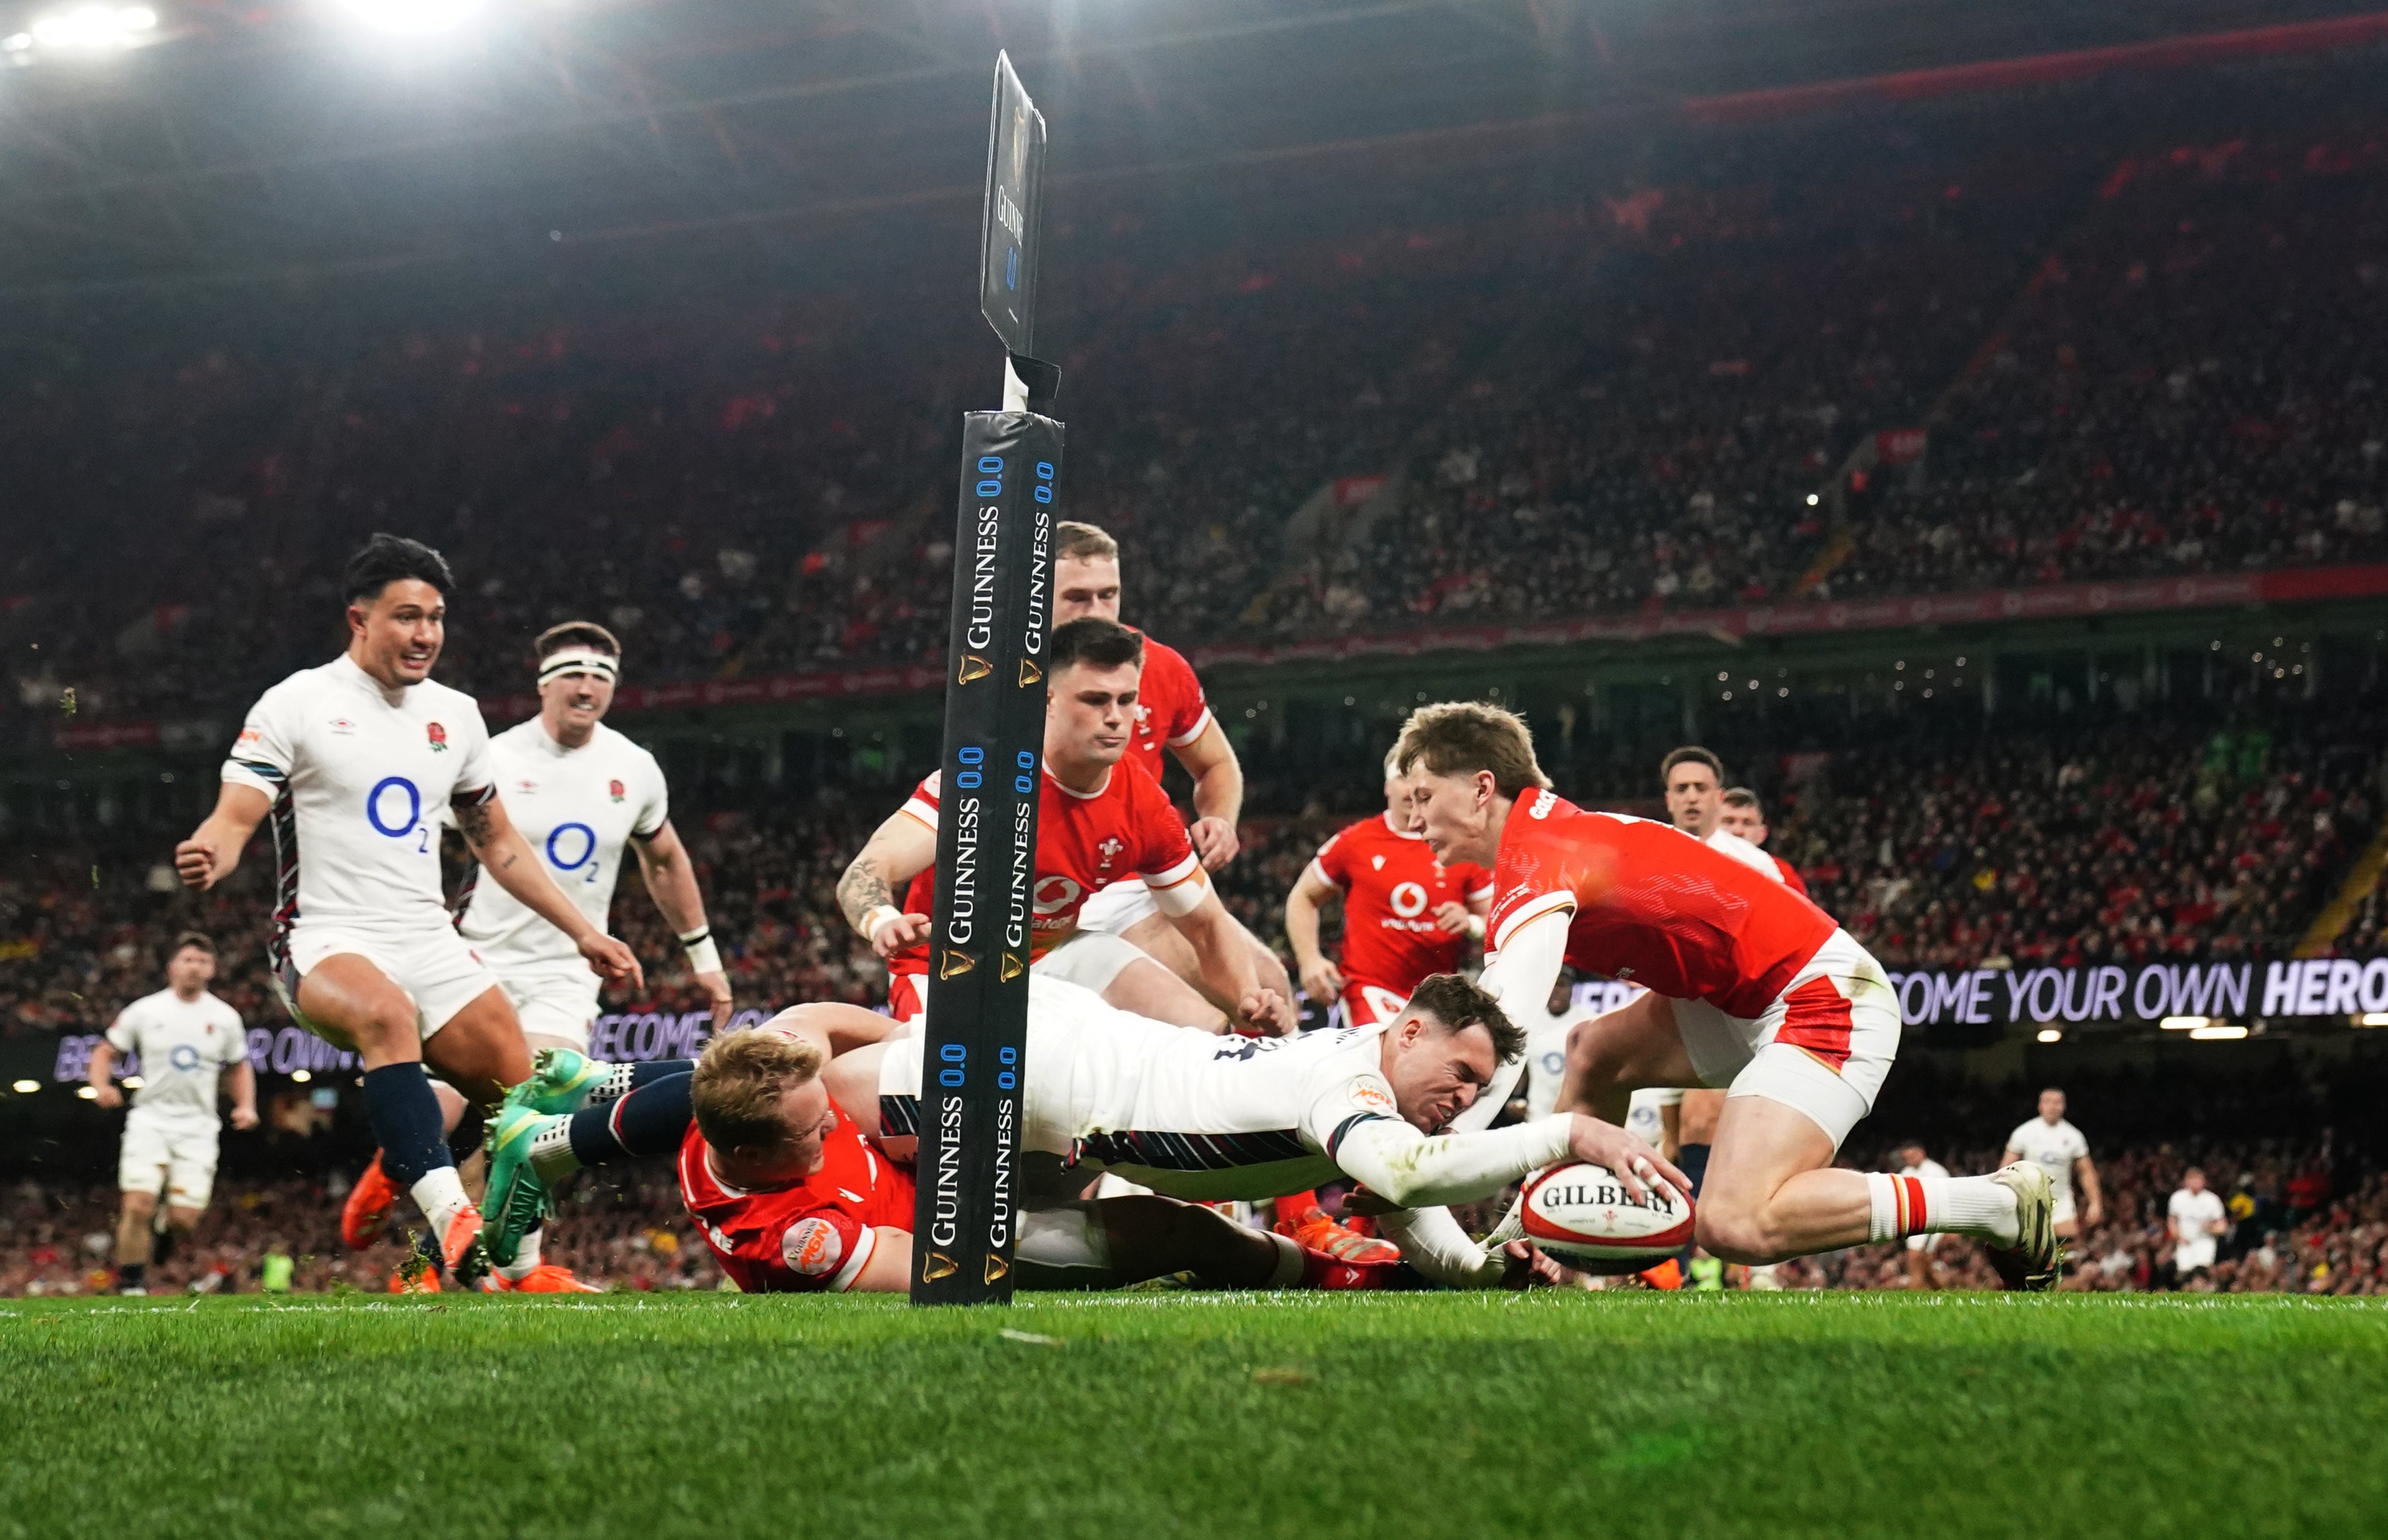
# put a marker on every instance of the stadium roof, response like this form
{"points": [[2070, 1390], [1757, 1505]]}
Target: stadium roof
{"points": [[243, 140]]}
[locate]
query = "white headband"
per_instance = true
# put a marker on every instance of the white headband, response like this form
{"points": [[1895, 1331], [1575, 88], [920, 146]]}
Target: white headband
{"points": [[580, 660]]}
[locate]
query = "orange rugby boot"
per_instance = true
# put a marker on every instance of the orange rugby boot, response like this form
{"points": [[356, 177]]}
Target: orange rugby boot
{"points": [[1321, 1233], [367, 1210]]}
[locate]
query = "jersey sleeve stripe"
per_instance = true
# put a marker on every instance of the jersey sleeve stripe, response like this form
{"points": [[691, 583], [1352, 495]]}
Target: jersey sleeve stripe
{"points": [[1549, 904], [1190, 866], [1314, 869], [1201, 726], [863, 1246], [926, 812], [1335, 1140]]}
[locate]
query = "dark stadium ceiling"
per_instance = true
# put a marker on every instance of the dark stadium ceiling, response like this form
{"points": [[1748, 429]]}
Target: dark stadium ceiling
{"points": [[235, 139]]}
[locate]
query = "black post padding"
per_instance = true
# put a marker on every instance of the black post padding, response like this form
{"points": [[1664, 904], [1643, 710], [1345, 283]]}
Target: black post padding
{"points": [[975, 1038]]}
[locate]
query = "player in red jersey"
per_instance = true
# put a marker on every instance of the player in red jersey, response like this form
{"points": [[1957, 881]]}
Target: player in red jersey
{"points": [[1745, 816], [1100, 818], [794, 1199], [1405, 915], [1171, 713], [1750, 988]]}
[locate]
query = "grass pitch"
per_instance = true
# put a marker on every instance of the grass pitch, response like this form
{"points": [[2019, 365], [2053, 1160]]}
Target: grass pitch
{"points": [[1159, 1414]]}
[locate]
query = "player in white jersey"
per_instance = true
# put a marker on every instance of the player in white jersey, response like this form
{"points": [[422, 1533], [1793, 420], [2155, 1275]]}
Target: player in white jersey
{"points": [[354, 759], [184, 1037], [1191, 1116], [582, 795], [1921, 1274], [2057, 1147]]}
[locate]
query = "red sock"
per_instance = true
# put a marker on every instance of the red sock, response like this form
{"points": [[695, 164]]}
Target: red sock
{"points": [[1296, 1208]]}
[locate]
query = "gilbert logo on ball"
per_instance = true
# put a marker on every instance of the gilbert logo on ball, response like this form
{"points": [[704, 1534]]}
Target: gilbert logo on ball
{"points": [[1578, 1209]]}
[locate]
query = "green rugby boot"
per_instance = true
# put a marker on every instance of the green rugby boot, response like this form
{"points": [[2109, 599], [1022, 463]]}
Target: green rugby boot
{"points": [[561, 1080], [517, 1198]]}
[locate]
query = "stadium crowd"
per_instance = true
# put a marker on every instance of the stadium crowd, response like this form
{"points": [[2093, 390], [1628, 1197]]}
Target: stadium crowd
{"points": [[2126, 352]]}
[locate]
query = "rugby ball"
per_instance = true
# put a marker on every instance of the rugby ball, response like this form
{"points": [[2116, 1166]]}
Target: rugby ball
{"points": [[1580, 1214]]}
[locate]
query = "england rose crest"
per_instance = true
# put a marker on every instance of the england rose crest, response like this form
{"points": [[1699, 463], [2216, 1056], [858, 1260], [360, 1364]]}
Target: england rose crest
{"points": [[438, 736], [614, 789]]}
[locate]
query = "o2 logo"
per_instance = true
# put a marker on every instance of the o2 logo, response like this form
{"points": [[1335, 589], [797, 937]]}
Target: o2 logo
{"points": [[382, 798], [559, 841]]}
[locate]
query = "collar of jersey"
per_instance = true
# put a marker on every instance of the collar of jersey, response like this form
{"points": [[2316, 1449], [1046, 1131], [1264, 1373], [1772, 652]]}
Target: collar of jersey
{"points": [[380, 691], [1082, 796]]}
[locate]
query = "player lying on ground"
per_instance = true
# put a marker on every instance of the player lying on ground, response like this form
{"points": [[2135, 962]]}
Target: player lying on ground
{"points": [[791, 1197], [1102, 818], [1173, 722], [1195, 1116], [355, 760], [1751, 987]]}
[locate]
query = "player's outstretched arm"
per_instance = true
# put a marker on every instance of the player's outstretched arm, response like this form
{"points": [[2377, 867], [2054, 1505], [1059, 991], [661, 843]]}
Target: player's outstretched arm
{"points": [[1226, 962], [900, 849], [213, 848], [244, 1095], [1408, 1169], [1218, 795], [1320, 977], [506, 858], [670, 877], [832, 1027], [100, 1075], [889, 1271]]}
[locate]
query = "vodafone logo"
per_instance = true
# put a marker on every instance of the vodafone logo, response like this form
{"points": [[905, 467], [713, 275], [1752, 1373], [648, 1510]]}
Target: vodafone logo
{"points": [[812, 1247], [1409, 900], [1056, 893]]}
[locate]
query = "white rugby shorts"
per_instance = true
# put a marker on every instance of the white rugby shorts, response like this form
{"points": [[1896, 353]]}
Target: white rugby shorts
{"points": [[174, 1156], [1092, 959], [555, 1006], [439, 972], [1115, 910], [1823, 1048]]}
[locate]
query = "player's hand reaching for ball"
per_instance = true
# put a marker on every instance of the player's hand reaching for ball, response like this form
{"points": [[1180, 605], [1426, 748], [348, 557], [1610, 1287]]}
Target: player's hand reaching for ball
{"points": [[1322, 980], [892, 933], [1214, 841], [1268, 1013], [613, 962], [1638, 1166]]}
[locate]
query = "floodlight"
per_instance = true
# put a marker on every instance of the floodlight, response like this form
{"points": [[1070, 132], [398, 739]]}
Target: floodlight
{"points": [[92, 27], [2219, 1033]]}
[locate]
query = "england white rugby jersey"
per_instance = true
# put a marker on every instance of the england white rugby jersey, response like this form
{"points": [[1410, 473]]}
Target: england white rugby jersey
{"points": [[578, 808], [184, 1045], [2053, 1147], [360, 777]]}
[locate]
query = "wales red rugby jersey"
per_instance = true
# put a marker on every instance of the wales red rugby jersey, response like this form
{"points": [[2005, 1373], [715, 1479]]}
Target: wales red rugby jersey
{"points": [[1170, 709], [1652, 905], [1392, 888], [1085, 840], [812, 1238]]}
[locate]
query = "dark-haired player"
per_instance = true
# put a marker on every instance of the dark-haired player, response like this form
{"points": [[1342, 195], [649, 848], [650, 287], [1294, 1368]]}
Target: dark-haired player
{"points": [[355, 760], [1210, 1121], [1100, 819], [1750, 986], [1172, 715], [186, 1038], [582, 795]]}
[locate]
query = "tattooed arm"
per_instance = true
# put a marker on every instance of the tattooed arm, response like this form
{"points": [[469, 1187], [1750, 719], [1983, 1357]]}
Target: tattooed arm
{"points": [[903, 848], [506, 859]]}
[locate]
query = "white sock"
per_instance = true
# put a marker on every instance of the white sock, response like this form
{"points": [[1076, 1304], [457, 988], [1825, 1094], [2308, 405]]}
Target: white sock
{"points": [[524, 1259], [614, 1086], [551, 1151], [1923, 1205], [440, 1196]]}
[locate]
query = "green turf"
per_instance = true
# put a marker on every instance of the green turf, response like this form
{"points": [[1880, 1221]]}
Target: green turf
{"points": [[1385, 1416]]}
